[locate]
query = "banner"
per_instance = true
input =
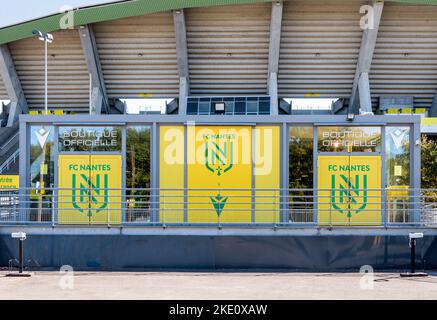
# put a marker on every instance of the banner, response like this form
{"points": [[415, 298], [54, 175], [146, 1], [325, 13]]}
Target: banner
{"points": [[219, 162], [85, 195], [345, 195], [8, 181]]}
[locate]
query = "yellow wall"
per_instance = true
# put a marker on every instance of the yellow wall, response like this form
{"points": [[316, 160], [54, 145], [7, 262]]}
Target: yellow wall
{"points": [[219, 158], [267, 173], [171, 173]]}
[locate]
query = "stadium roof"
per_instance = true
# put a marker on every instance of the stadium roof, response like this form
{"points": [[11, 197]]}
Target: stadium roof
{"points": [[123, 9], [315, 48]]}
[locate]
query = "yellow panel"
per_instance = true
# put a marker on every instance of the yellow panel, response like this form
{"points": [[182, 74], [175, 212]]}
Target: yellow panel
{"points": [[8, 181], [429, 120], [337, 205], [72, 206], [365, 207], [105, 196], [219, 158], [171, 174], [85, 182], [266, 173], [329, 166]]}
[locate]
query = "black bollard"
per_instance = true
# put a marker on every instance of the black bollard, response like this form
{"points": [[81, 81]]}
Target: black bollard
{"points": [[21, 255], [413, 254], [413, 236], [21, 236]]}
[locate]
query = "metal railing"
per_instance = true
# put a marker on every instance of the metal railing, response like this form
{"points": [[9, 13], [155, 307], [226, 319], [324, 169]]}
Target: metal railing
{"points": [[9, 161], [219, 207]]}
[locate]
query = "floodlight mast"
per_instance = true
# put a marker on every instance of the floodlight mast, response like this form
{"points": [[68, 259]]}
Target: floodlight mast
{"points": [[47, 38]]}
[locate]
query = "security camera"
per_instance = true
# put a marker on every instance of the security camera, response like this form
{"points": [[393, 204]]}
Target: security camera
{"points": [[416, 235], [19, 235]]}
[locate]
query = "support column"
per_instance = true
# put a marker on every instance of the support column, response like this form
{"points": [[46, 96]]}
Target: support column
{"points": [[274, 47], [433, 109], [13, 85], [364, 93], [368, 43], [182, 56], [99, 99]]}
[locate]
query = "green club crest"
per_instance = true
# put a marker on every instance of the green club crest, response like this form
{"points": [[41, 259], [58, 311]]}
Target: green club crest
{"points": [[219, 156], [349, 196], [87, 196], [219, 203]]}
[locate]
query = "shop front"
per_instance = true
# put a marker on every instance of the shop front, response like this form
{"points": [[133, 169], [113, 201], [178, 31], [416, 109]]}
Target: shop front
{"points": [[219, 170]]}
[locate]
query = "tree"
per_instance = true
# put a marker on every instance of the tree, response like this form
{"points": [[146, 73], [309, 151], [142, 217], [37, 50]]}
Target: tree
{"points": [[429, 162]]}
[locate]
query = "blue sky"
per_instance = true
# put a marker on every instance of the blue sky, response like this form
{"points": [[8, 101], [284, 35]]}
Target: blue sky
{"points": [[17, 11]]}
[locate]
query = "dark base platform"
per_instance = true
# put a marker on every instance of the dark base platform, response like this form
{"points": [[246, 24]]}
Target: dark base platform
{"points": [[165, 250]]}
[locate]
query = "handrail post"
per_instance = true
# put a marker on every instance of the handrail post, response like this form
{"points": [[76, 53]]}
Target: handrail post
{"points": [[163, 209], [14, 206], [108, 221], [330, 209], [277, 214], [53, 208]]}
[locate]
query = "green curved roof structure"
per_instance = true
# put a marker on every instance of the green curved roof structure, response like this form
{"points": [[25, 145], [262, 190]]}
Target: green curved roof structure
{"points": [[124, 9]]}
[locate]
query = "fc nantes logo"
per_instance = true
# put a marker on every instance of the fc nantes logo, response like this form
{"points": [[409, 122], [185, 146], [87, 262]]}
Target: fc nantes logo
{"points": [[86, 195], [219, 159], [349, 196], [219, 154]]}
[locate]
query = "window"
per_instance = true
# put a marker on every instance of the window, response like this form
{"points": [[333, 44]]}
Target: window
{"points": [[138, 173], [87, 139], [301, 173], [146, 106], [233, 105], [349, 139], [41, 172], [397, 158]]}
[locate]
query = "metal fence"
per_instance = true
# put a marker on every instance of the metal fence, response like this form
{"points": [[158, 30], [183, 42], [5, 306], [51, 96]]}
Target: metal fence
{"points": [[390, 207]]}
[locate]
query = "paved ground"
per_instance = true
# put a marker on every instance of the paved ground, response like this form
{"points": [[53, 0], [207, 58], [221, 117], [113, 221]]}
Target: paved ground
{"points": [[215, 285]]}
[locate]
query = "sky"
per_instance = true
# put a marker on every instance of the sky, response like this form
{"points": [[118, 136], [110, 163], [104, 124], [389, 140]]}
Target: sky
{"points": [[18, 11]]}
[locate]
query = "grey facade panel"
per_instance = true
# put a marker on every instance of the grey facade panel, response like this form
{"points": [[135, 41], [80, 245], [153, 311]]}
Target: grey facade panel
{"points": [[3, 93], [228, 49], [405, 58], [138, 56], [68, 79], [320, 42]]}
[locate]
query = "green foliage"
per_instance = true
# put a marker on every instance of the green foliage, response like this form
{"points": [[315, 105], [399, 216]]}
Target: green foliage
{"points": [[138, 157], [301, 165], [429, 162]]}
